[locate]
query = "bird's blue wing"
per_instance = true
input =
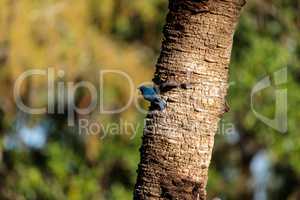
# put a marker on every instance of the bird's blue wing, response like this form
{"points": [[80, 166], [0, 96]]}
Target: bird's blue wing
{"points": [[150, 91]]}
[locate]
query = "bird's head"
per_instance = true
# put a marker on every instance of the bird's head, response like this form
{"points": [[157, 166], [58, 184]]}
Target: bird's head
{"points": [[142, 89]]}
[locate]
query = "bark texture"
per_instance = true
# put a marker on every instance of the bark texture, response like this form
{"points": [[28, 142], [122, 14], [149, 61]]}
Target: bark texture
{"points": [[178, 141]]}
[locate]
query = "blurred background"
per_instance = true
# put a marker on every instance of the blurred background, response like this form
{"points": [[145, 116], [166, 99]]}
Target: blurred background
{"points": [[41, 157]]}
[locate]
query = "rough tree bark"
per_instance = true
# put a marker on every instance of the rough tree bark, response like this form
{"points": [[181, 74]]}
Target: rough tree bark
{"points": [[178, 141]]}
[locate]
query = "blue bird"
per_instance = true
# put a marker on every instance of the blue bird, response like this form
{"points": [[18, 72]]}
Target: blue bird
{"points": [[150, 94]]}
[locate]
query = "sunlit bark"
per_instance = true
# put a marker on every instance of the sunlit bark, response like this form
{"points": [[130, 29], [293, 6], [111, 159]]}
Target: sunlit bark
{"points": [[178, 141]]}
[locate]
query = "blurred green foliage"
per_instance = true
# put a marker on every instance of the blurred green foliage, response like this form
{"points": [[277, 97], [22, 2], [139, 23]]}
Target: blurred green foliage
{"points": [[82, 37]]}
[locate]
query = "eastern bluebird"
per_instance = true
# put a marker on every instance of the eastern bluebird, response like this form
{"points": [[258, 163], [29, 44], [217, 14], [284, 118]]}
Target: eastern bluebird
{"points": [[150, 94]]}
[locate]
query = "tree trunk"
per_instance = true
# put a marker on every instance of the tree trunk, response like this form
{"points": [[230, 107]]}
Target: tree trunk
{"points": [[178, 141]]}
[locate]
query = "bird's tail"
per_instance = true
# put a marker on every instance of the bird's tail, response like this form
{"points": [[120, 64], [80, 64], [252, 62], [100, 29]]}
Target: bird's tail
{"points": [[161, 104]]}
